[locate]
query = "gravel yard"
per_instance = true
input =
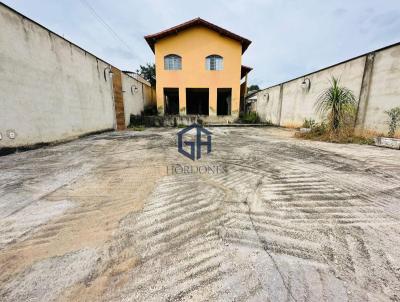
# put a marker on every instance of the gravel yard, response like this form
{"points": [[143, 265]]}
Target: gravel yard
{"points": [[103, 219]]}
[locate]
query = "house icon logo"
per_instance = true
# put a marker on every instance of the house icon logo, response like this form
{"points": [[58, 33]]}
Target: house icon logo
{"points": [[196, 145]]}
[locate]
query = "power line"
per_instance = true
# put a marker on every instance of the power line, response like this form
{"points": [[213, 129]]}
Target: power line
{"points": [[108, 27]]}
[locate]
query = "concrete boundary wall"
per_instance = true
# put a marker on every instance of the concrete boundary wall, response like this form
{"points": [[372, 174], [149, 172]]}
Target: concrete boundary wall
{"points": [[374, 78], [137, 95], [53, 90]]}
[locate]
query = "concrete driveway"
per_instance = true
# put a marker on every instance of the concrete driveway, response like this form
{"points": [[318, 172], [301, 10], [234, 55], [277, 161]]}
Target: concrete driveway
{"points": [[280, 219]]}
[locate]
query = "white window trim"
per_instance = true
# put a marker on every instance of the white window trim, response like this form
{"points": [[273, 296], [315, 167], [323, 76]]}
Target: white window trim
{"points": [[172, 62], [214, 63]]}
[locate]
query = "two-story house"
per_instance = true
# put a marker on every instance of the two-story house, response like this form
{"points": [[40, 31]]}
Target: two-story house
{"points": [[198, 69]]}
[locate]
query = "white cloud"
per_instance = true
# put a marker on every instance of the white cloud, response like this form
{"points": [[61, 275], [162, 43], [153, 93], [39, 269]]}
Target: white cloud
{"points": [[289, 37]]}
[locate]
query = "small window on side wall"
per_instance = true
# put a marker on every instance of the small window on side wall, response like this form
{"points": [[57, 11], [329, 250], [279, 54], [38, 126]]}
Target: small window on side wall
{"points": [[214, 62], [172, 62]]}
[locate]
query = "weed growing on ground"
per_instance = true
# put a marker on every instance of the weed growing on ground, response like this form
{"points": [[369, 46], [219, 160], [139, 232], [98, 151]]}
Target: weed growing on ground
{"points": [[308, 123], [250, 118], [138, 128], [338, 105], [394, 120], [321, 132]]}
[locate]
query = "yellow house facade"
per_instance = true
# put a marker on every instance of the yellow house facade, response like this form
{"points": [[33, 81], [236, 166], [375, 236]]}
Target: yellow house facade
{"points": [[198, 69]]}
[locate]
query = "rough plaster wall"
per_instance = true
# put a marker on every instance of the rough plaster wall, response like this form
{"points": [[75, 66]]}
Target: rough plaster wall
{"points": [[385, 89], [267, 104], [298, 104], [133, 99], [149, 96], [50, 90]]}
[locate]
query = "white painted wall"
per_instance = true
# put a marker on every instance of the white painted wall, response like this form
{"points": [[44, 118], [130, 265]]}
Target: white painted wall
{"points": [[267, 104], [50, 89], [134, 96], [136, 100], [384, 92], [298, 104]]}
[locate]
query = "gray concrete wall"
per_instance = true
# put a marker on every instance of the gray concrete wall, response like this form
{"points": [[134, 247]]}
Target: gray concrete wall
{"points": [[50, 89], [298, 104], [134, 96], [268, 104], [384, 92], [135, 100], [287, 104]]}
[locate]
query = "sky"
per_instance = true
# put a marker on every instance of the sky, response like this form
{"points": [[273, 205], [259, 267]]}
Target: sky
{"points": [[289, 37]]}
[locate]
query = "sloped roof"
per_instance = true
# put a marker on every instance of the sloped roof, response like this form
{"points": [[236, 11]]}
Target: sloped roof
{"points": [[152, 39], [244, 71]]}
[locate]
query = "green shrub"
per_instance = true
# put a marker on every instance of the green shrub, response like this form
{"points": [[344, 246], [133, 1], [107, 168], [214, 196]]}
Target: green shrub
{"points": [[250, 118], [136, 120], [394, 120], [339, 104], [138, 128], [323, 132], [150, 110], [319, 128], [309, 123]]}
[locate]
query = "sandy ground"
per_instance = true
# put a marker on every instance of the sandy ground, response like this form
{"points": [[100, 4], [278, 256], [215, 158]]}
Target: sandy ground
{"points": [[100, 219]]}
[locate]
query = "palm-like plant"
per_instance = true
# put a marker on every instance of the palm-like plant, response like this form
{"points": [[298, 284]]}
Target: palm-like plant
{"points": [[338, 102]]}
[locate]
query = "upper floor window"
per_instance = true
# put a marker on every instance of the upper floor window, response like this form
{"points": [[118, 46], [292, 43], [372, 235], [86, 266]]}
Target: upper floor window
{"points": [[172, 62], [214, 62]]}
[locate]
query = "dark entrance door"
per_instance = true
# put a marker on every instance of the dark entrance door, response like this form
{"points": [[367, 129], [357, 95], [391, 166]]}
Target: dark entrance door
{"points": [[197, 101], [224, 99], [171, 101]]}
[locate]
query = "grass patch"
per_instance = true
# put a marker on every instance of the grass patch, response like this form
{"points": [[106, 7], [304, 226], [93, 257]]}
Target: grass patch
{"points": [[320, 132], [361, 140], [309, 123], [138, 128], [250, 118]]}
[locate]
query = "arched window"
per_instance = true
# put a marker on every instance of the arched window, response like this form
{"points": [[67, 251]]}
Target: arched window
{"points": [[214, 62], [172, 62]]}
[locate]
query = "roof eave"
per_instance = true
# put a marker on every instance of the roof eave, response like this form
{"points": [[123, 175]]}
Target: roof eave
{"points": [[150, 41], [153, 38], [245, 71]]}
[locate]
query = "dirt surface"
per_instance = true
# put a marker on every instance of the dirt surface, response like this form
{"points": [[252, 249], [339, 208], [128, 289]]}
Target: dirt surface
{"points": [[103, 219]]}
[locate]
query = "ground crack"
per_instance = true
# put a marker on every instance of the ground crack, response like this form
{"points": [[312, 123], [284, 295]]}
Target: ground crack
{"points": [[264, 244]]}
